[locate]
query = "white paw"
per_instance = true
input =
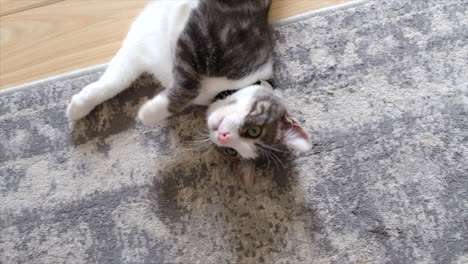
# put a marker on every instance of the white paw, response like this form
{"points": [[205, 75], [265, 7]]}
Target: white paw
{"points": [[154, 111], [79, 107]]}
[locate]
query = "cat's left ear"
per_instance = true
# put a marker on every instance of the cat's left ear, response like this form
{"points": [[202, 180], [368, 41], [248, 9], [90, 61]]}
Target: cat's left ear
{"points": [[294, 136], [266, 84], [246, 171]]}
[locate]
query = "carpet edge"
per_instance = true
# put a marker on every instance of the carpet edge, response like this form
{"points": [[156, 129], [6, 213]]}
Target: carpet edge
{"points": [[321, 11]]}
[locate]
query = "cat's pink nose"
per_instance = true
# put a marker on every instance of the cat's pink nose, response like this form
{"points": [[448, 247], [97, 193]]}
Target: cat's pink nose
{"points": [[224, 137]]}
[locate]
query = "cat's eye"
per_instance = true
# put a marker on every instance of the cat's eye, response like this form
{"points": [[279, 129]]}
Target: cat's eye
{"points": [[230, 151], [254, 132]]}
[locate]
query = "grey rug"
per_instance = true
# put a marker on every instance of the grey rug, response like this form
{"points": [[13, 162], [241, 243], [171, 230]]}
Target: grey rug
{"points": [[382, 88]]}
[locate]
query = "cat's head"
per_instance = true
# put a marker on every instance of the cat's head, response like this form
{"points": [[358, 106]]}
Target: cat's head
{"points": [[251, 121]]}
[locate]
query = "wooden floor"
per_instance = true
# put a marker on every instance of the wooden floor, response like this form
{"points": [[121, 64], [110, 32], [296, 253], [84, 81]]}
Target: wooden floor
{"points": [[42, 38]]}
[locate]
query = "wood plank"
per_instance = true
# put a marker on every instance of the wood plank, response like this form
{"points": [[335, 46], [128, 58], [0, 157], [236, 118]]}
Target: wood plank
{"points": [[286, 8], [69, 35], [14, 6], [62, 37]]}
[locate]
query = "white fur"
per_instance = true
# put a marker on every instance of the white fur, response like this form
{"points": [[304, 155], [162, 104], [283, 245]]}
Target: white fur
{"points": [[212, 86], [295, 140], [149, 47], [155, 110]]}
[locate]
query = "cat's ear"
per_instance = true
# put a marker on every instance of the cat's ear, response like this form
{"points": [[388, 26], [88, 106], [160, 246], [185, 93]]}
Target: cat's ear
{"points": [[246, 172], [294, 136], [266, 84]]}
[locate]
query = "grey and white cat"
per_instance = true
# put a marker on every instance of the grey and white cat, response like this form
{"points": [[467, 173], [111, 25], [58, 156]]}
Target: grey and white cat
{"points": [[197, 49]]}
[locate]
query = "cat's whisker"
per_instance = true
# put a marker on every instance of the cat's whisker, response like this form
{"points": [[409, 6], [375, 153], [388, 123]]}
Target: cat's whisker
{"points": [[269, 154], [274, 149], [199, 145], [267, 157], [196, 147], [278, 159], [203, 133], [201, 140], [274, 160], [210, 148], [274, 156], [205, 130]]}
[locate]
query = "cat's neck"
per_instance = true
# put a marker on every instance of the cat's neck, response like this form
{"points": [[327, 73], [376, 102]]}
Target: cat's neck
{"points": [[222, 95], [226, 93]]}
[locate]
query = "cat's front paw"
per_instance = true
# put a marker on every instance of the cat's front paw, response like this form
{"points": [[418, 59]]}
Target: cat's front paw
{"points": [[154, 111], [78, 107]]}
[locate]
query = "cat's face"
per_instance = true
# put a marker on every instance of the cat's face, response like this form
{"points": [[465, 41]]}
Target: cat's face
{"points": [[251, 120]]}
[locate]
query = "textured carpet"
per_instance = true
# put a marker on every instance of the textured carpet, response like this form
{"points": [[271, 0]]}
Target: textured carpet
{"points": [[382, 88]]}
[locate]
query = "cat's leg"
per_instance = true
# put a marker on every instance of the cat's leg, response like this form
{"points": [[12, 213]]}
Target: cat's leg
{"points": [[179, 95], [123, 69]]}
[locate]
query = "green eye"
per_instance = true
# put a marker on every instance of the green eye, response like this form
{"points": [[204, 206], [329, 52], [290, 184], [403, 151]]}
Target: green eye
{"points": [[230, 151], [254, 131]]}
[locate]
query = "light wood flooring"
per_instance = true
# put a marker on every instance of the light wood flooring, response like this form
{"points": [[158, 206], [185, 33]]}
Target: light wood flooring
{"points": [[43, 38]]}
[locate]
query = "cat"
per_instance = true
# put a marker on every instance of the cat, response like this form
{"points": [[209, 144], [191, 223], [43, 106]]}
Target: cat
{"points": [[199, 50]]}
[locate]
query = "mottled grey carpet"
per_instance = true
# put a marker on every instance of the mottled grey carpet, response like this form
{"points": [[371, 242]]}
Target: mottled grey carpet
{"points": [[382, 88]]}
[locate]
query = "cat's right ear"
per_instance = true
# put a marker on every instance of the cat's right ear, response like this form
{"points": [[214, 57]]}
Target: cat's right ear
{"points": [[294, 136]]}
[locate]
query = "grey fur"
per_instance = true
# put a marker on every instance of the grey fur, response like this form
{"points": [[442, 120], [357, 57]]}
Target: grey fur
{"points": [[223, 38], [267, 112]]}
